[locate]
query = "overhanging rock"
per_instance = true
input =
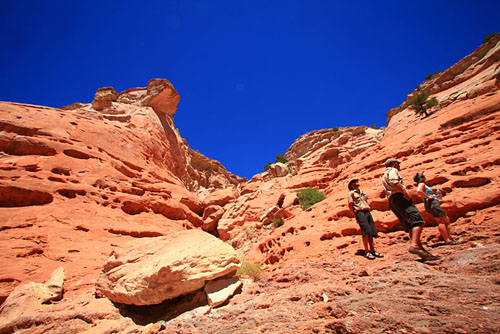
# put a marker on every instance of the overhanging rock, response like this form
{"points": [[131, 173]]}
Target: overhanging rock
{"points": [[150, 271]]}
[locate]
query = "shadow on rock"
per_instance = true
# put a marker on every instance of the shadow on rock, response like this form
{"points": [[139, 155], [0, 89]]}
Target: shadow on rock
{"points": [[168, 310]]}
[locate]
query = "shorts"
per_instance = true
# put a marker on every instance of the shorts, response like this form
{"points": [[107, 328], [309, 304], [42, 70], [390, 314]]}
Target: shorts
{"points": [[432, 206], [406, 211], [365, 221]]}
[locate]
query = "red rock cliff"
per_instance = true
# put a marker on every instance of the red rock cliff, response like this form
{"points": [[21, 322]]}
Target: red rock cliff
{"points": [[76, 185]]}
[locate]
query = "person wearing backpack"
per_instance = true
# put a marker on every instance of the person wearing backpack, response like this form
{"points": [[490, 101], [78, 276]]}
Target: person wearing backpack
{"points": [[431, 203]]}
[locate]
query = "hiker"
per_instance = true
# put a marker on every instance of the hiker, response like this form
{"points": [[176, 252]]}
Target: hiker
{"points": [[402, 206], [431, 202], [358, 204]]}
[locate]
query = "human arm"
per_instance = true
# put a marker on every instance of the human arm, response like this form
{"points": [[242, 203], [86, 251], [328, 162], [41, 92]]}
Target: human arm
{"points": [[351, 208], [396, 182], [350, 203], [402, 189], [421, 192]]}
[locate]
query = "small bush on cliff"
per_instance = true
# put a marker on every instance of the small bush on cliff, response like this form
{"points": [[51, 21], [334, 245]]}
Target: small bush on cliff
{"points": [[430, 75], [309, 196], [251, 270], [281, 158], [277, 222], [489, 36], [421, 103]]}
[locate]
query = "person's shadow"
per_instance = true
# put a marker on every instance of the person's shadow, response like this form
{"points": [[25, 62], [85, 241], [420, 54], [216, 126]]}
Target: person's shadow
{"points": [[360, 252]]}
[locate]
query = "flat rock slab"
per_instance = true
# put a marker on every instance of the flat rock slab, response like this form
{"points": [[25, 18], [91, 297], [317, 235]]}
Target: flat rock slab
{"points": [[149, 271], [220, 290]]}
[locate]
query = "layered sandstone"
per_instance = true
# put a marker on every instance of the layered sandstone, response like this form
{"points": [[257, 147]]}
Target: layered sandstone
{"points": [[77, 186], [76, 183]]}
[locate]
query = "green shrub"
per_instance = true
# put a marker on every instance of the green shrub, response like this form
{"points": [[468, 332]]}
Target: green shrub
{"points": [[335, 128], [432, 103], [421, 104], [489, 36], [309, 196], [277, 222], [281, 158], [436, 72], [428, 76], [251, 270]]}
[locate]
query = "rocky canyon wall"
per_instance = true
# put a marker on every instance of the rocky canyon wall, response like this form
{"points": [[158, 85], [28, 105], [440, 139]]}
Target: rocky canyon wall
{"points": [[107, 190]]}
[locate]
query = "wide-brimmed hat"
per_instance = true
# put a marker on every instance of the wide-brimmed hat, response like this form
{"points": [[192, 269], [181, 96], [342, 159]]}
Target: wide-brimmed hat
{"points": [[418, 176], [389, 161]]}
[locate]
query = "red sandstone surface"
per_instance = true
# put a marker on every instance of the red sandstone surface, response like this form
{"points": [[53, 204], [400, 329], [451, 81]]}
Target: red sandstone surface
{"points": [[80, 182]]}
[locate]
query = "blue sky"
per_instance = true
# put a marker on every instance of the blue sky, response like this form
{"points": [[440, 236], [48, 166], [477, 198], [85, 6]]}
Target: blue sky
{"points": [[253, 76]]}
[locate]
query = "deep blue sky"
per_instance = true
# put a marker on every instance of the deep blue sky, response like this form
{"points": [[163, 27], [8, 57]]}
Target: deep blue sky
{"points": [[253, 76]]}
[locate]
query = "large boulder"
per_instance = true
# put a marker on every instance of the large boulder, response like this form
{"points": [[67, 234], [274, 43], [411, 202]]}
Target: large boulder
{"points": [[278, 169], [211, 217], [221, 196], [104, 98], [150, 271], [163, 97]]}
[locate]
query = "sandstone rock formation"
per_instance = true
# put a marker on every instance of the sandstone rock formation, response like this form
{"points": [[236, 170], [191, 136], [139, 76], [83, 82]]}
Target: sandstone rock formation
{"points": [[475, 75], [218, 291], [151, 270], [157, 104], [77, 184], [278, 169], [30, 296]]}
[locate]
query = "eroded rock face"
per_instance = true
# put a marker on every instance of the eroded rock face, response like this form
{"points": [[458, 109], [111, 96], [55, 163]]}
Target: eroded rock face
{"points": [[104, 98], [314, 279], [331, 147], [454, 146], [211, 217], [29, 297], [75, 182], [149, 271], [473, 76], [193, 168]]}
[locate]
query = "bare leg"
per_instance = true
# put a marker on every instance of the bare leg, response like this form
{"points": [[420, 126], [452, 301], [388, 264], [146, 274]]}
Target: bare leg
{"points": [[365, 243], [447, 223], [416, 246], [444, 228], [415, 234], [370, 242], [442, 231]]}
